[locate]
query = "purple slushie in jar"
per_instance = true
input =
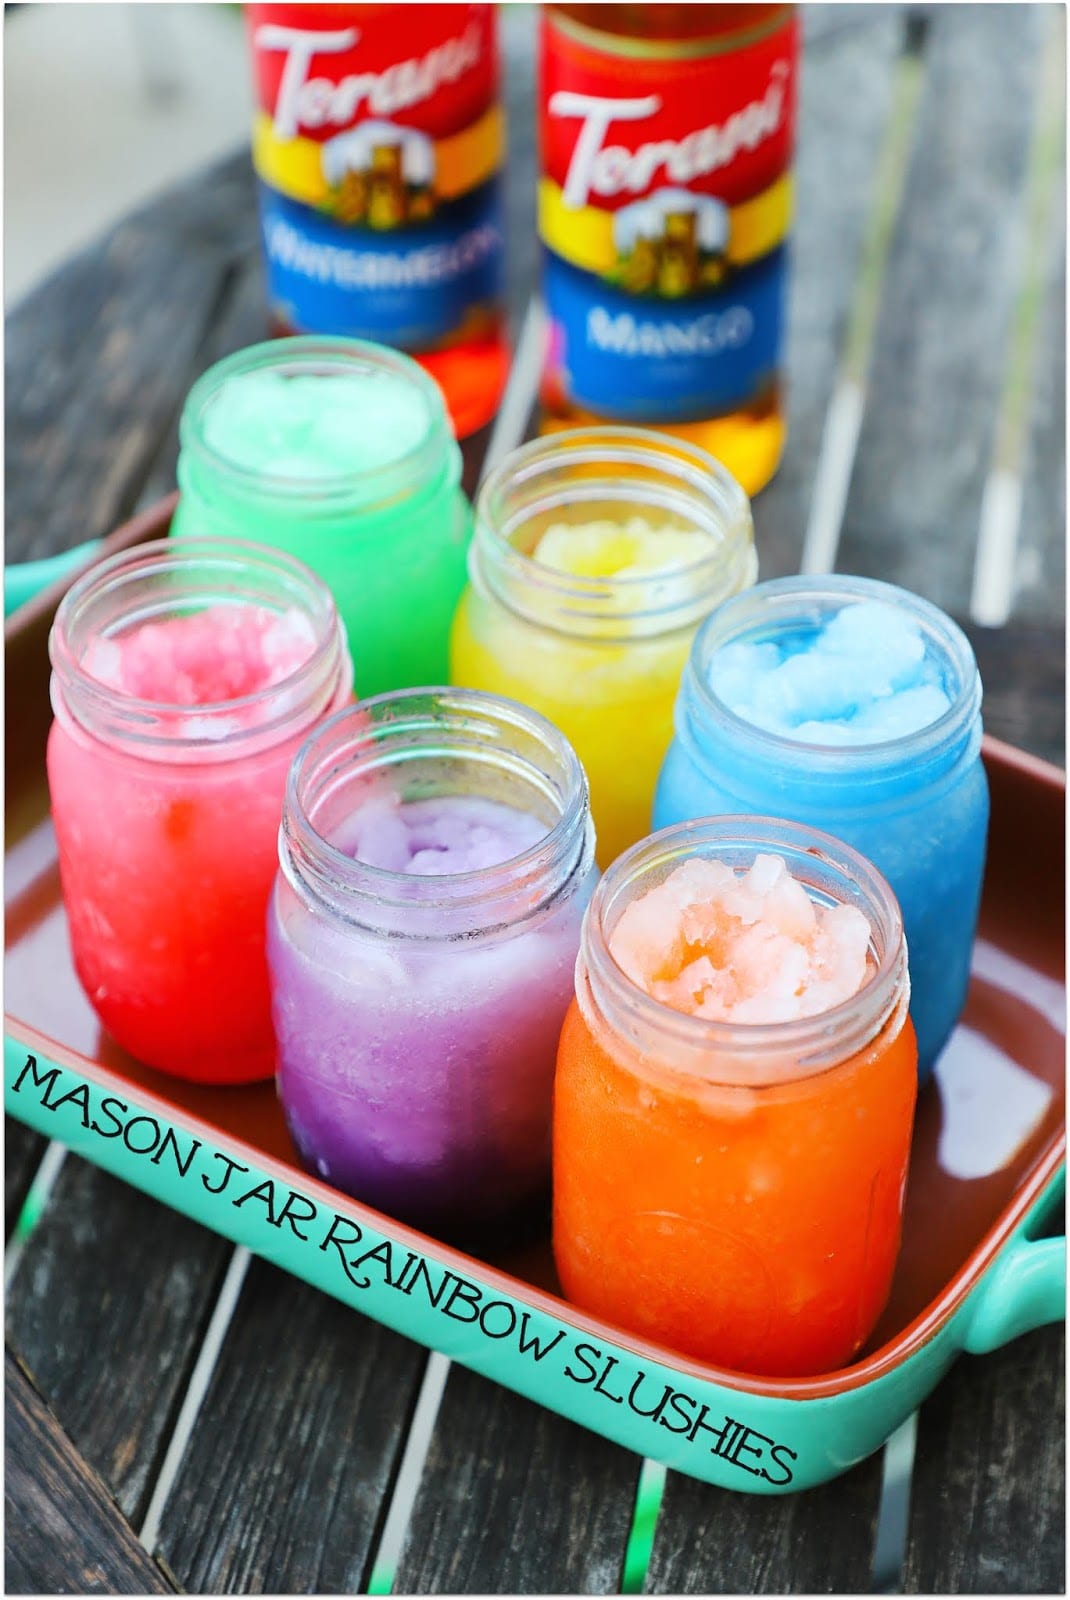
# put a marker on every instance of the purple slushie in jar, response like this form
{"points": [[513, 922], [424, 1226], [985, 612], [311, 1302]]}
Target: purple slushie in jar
{"points": [[436, 858]]}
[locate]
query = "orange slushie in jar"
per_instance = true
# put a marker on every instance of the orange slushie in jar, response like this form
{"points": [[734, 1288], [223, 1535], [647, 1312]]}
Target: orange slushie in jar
{"points": [[734, 1097]]}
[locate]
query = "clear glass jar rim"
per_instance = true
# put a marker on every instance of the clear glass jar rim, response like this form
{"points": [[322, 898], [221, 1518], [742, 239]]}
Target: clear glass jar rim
{"points": [[458, 890], [609, 447], [673, 478], [327, 660], [739, 615], [305, 352], [760, 834]]}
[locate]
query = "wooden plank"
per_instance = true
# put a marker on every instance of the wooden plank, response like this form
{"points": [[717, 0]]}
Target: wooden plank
{"points": [[1023, 670], [934, 388], [99, 359], [291, 1460], [988, 1506], [106, 1308], [240, 319], [23, 1150], [62, 1532], [516, 1500], [1041, 589], [519, 34], [846, 97], [823, 20], [714, 1541]]}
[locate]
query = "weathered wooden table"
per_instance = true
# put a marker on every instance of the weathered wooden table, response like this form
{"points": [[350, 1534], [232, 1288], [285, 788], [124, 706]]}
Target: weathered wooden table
{"points": [[179, 1416]]}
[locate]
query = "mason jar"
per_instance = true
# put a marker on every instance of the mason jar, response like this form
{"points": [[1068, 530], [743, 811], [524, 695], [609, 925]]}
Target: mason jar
{"points": [[416, 1007], [601, 653], [734, 1191], [916, 804], [339, 452], [185, 675]]}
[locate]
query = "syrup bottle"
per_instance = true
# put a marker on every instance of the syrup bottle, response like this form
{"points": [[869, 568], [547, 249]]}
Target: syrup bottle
{"points": [[664, 209], [378, 144]]}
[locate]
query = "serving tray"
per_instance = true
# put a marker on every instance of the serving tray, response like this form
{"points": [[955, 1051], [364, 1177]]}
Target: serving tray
{"points": [[983, 1255]]}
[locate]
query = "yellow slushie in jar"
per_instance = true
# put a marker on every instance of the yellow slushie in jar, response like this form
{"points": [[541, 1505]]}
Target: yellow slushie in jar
{"points": [[596, 555]]}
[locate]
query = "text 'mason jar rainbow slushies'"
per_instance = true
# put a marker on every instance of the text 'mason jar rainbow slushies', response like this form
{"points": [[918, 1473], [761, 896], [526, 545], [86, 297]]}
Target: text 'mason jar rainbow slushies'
{"points": [[665, 201], [378, 145], [855, 707], [341, 453], [596, 555], [185, 674], [436, 858], [735, 1096]]}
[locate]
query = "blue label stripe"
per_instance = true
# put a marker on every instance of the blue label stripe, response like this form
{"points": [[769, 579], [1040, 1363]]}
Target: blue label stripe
{"points": [[626, 356], [409, 287]]}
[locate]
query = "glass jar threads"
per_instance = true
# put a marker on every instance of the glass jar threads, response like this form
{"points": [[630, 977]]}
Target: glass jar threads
{"points": [[339, 452], [596, 555], [855, 707], [734, 1097], [436, 857], [185, 674]]}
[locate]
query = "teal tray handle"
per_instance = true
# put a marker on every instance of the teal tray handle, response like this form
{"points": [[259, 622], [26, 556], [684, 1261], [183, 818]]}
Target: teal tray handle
{"points": [[24, 579], [1024, 1289]]}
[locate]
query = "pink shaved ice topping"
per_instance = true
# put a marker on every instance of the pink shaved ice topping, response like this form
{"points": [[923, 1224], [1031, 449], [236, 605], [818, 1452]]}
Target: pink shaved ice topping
{"points": [[221, 653], [746, 948]]}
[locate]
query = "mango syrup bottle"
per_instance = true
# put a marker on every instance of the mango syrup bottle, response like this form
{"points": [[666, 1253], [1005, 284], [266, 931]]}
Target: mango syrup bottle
{"points": [[378, 144], [664, 207]]}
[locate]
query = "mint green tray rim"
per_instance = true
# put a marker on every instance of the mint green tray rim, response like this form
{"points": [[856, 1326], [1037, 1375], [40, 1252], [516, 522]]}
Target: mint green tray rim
{"points": [[737, 1437], [23, 580]]}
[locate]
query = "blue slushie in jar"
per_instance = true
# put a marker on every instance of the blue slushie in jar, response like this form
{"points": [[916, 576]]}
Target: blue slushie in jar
{"points": [[855, 707]]}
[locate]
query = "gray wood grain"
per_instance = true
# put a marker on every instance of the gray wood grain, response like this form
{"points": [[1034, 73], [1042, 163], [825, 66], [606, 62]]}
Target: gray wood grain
{"points": [[518, 32], [1023, 671], [988, 1503], [823, 20], [846, 96], [1041, 589], [939, 360], [290, 1463], [23, 1150], [99, 359], [240, 319], [107, 1309], [63, 1534], [713, 1541], [516, 1500]]}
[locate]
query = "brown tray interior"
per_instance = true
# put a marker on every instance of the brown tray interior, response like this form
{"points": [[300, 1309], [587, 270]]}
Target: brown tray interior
{"points": [[997, 1112]]}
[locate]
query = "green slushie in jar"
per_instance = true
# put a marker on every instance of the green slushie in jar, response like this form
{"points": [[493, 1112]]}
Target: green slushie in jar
{"points": [[340, 452]]}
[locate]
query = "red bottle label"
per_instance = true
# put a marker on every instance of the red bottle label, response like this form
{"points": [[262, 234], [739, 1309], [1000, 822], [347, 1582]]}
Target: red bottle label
{"points": [[318, 74]]}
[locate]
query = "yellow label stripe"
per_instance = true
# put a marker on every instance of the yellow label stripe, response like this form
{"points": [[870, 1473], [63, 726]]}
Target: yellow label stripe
{"points": [[584, 235], [294, 167]]}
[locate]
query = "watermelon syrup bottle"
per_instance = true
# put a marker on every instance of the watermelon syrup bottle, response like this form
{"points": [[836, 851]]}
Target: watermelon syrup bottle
{"points": [[664, 207], [378, 143]]}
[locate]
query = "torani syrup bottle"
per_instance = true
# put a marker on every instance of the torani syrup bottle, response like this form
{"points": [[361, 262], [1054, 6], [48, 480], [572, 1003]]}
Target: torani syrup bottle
{"points": [[378, 144], [664, 209]]}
